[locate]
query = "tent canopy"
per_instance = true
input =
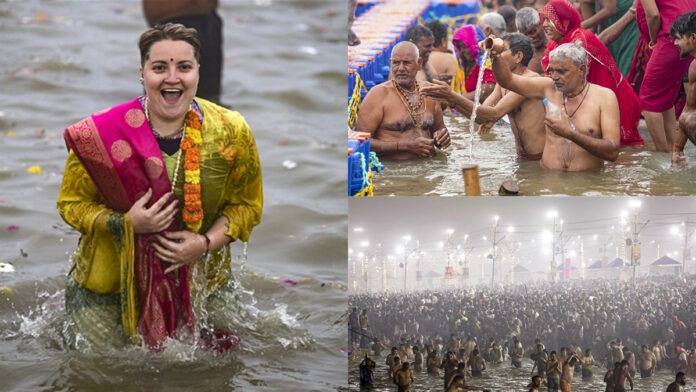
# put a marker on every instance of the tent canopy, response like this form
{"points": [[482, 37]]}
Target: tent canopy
{"points": [[665, 261], [617, 262], [595, 265]]}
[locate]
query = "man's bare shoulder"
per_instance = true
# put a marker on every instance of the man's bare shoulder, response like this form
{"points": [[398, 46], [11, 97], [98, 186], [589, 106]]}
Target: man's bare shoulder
{"points": [[528, 72], [601, 94], [379, 92]]}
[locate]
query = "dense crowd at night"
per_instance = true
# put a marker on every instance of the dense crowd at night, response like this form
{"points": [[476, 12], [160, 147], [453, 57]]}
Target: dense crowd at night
{"points": [[615, 320]]}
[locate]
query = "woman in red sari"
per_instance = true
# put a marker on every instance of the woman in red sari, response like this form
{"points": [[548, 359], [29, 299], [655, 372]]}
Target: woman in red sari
{"points": [[157, 187], [561, 23]]}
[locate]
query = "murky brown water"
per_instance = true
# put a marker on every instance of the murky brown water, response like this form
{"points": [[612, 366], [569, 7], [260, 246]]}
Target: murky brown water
{"points": [[638, 171], [284, 71]]}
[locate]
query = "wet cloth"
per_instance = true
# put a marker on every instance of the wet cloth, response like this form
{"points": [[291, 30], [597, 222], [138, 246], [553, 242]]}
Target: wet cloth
{"points": [[642, 50], [664, 69], [601, 68], [113, 159]]}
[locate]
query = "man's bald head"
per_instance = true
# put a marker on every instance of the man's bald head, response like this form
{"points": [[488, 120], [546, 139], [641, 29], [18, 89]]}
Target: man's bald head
{"points": [[404, 48]]}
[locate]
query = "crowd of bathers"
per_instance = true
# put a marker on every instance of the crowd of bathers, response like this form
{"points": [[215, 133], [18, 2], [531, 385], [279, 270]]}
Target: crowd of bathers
{"points": [[588, 314]]}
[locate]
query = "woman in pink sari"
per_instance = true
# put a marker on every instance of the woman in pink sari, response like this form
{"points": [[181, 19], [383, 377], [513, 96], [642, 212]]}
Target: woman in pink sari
{"points": [[561, 23], [465, 41], [157, 187]]}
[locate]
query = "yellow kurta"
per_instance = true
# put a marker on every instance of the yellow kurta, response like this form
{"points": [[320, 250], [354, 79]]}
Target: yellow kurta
{"points": [[231, 186]]}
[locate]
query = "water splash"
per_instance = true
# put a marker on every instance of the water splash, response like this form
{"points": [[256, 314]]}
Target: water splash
{"points": [[477, 97]]}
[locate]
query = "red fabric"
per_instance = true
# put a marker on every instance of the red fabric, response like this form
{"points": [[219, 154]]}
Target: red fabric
{"points": [[123, 159], [664, 69], [601, 67], [472, 78]]}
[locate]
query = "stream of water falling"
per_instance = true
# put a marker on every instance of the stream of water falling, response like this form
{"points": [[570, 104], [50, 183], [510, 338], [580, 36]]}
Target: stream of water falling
{"points": [[477, 97]]}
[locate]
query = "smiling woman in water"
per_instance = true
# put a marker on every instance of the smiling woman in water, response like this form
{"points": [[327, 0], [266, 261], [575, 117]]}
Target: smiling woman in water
{"points": [[157, 186]]}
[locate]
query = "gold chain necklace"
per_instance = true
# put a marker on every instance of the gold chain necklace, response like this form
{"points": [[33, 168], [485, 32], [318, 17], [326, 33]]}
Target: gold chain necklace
{"points": [[415, 111]]}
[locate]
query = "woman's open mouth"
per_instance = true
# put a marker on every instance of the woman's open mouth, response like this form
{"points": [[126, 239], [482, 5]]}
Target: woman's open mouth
{"points": [[171, 95]]}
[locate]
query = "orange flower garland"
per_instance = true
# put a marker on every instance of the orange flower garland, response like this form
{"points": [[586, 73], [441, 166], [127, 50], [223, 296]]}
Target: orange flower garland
{"points": [[193, 207]]}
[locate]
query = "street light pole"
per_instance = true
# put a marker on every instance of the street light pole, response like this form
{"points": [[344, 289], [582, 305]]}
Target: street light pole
{"points": [[635, 258], [495, 244]]}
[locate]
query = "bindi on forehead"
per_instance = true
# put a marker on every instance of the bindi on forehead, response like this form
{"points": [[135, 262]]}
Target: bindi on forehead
{"points": [[171, 59]]}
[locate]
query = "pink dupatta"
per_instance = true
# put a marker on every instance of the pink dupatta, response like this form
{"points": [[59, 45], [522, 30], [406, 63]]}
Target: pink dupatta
{"points": [[121, 155]]}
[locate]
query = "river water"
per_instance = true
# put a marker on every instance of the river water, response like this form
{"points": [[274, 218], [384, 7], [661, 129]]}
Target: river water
{"points": [[285, 72], [637, 171], [505, 378]]}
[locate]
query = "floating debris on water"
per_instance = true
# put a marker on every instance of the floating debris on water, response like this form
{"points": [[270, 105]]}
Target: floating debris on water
{"points": [[34, 170], [12, 228], [288, 164], [309, 50], [6, 268]]}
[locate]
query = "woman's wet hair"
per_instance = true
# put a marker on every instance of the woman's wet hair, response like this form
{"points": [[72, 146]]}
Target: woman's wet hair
{"points": [[168, 31]]}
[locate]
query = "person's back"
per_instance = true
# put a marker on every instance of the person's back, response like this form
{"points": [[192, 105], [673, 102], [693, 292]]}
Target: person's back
{"points": [[444, 64]]}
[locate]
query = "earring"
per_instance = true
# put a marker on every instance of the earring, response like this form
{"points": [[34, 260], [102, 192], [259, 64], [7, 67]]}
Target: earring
{"points": [[142, 81]]}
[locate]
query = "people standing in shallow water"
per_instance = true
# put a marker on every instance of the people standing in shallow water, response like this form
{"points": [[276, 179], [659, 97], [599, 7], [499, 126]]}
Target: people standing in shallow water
{"points": [[586, 131], [522, 113], [678, 384], [587, 364], [402, 123], [562, 25], [157, 187], [646, 362], [367, 371], [683, 32], [620, 377], [403, 377]]}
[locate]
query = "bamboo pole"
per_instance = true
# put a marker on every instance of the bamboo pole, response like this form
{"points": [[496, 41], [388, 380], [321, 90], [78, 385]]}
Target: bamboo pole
{"points": [[472, 184]]}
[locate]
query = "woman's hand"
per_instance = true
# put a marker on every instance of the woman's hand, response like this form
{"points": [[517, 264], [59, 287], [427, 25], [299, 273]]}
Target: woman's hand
{"points": [[179, 248], [155, 218]]}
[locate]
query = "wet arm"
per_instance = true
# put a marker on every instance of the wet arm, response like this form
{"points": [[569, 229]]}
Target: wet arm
{"points": [[495, 109], [80, 203], [613, 32], [652, 15], [486, 90], [523, 85], [243, 193], [607, 11]]}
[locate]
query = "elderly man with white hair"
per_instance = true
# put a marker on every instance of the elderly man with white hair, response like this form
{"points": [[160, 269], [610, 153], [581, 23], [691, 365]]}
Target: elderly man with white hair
{"points": [[529, 24], [492, 23], [587, 132]]}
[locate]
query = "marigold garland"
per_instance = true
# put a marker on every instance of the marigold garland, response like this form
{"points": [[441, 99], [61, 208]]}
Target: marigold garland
{"points": [[193, 207]]}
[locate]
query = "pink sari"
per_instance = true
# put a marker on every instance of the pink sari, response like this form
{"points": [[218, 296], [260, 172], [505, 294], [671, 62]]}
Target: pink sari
{"points": [[601, 67], [121, 155]]}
